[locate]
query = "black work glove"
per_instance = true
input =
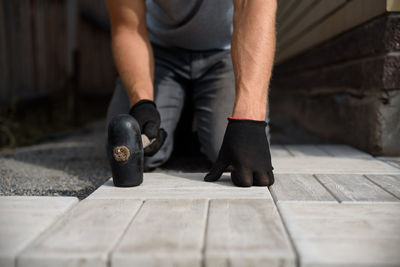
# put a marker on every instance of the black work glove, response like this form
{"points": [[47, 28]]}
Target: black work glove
{"points": [[148, 117], [246, 149]]}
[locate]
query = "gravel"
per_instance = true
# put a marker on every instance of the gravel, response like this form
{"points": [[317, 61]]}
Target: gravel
{"points": [[74, 165]]}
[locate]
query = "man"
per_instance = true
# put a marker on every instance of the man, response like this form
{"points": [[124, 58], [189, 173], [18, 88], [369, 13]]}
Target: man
{"points": [[220, 50]]}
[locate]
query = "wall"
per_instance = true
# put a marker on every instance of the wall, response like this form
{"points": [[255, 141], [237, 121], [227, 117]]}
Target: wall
{"points": [[337, 71], [304, 24]]}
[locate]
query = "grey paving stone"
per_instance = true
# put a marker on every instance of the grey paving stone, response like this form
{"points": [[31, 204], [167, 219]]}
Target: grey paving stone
{"points": [[347, 234], [299, 187], [390, 183], [164, 233], [306, 151], [335, 165], [179, 186], [85, 237], [279, 151], [348, 187], [22, 219], [394, 161], [344, 151], [246, 233]]}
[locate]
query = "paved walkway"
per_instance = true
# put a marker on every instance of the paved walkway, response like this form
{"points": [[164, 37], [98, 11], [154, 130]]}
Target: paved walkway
{"points": [[330, 206]]}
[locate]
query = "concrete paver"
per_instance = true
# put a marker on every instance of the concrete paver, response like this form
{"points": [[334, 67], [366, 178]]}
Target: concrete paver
{"points": [[390, 183], [348, 187], [246, 233], [299, 187], [85, 237], [344, 151], [179, 186], [307, 151], [347, 234], [22, 219], [332, 165], [164, 233]]}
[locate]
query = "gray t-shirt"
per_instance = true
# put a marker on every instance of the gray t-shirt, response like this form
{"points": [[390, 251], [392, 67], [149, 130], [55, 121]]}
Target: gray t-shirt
{"points": [[190, 24]]}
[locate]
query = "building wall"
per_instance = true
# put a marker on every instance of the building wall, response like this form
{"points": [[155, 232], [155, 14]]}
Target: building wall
{"points": [[337, 71], [304, 24]]}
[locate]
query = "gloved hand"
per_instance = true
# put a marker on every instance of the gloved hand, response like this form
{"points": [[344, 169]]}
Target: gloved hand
{"points": [[148, 117], [246, 148]]}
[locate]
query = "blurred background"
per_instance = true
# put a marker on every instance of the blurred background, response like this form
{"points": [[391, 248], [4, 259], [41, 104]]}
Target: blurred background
{"points": [[336, 80]]}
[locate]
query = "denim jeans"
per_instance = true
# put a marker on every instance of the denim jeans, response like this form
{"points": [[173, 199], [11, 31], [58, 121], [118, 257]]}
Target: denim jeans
{"points": [[209, 75]]}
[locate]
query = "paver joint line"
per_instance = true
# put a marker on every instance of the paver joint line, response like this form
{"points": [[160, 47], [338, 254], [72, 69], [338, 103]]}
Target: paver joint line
{"points": [[122, 236], [327, 189], [381, 187], [292, 244]]}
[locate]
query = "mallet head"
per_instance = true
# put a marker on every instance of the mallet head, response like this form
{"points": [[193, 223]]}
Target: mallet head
{"points": [[125, 151]]}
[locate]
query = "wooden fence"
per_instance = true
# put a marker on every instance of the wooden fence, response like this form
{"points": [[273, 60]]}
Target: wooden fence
{"points": [[38, 41]]}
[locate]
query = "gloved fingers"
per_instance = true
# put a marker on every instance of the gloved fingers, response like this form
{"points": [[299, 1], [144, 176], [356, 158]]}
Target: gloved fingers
{"points": [[157, 144], [263, 178], [242, 177], [217, 170], [151, 129]]}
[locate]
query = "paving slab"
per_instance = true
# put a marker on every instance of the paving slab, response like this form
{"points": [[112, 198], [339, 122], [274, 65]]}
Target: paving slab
{"points": [[164, 233], [307, 151], [390, 183], [299, 187], [279, 151], [394, 161], [246, 233], [179, 186], [351, 187], [85, 237], [334, 165], [344, 151], [23, 219], [347, 234]]}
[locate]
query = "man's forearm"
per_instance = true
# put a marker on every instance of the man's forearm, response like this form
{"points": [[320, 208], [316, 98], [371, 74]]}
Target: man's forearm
{"points": [[253, 49], [134, 60], [133, 55]]}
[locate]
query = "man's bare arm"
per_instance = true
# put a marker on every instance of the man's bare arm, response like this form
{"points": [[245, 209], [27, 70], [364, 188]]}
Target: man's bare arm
{"points": [[253, 49], [131, 47]]}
